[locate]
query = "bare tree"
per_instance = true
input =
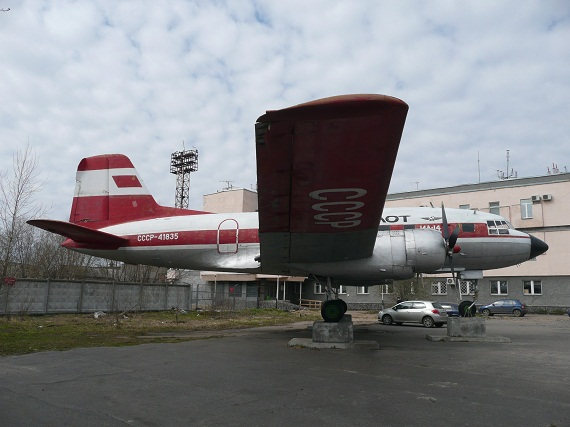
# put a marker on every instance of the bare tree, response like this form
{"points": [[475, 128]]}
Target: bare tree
{"points": [[16, 204], [410, 289]]}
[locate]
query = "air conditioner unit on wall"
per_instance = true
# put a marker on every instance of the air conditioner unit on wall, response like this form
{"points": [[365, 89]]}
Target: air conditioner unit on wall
{"points": [[547, 197], [536, 199], [450, 281]]}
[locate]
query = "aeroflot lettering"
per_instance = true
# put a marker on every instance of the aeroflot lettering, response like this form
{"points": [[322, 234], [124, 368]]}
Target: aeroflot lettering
{"points": [[338, 214], [395, 218]]}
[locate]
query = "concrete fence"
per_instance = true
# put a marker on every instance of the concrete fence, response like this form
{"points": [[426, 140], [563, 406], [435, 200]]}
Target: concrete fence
{"points": [[29, 296]]}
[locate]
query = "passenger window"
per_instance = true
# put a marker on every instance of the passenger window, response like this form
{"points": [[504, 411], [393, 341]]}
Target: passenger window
{"points": [[468, 228], [419, 305]]}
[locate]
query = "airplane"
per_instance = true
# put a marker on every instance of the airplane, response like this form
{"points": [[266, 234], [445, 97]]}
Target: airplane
{"points": [[323, 171]]}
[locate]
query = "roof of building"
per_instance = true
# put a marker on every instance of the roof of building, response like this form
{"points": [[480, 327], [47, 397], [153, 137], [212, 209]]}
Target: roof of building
{"points": [[482, 186]]}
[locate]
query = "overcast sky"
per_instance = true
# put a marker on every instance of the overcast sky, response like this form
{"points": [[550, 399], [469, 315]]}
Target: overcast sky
{"points": [[80, 78]]}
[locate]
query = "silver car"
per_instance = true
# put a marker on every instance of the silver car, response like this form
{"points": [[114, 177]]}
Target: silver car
{"points": [[427, 313]]}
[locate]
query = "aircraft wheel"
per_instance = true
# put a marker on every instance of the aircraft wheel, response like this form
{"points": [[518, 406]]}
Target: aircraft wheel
{"points": [[333, 310], [465, 311]]}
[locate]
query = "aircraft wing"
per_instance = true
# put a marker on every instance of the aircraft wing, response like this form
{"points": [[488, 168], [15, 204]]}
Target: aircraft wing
{"points": [[323, 171], [80, 234]]}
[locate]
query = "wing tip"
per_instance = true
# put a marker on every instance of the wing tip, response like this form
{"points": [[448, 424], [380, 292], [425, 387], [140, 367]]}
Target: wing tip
{"points": [[338, 105]]}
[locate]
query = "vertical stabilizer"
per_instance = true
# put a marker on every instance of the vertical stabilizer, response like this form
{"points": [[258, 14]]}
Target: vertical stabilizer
{"points": [[109, 190]]}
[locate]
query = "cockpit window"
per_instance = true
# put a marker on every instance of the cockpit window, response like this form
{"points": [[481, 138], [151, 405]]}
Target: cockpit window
{"points": [[498, 227]]}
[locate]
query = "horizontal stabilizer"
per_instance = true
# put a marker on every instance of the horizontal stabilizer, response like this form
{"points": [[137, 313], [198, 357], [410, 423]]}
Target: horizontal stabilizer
{"points": [[78, 233]]}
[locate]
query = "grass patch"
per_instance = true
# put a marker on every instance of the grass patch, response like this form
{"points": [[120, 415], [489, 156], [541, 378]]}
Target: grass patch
{"points": [[28, 334]]}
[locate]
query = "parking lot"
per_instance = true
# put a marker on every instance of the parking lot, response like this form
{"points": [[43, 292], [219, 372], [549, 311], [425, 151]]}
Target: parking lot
{"points": [[251, 377]]}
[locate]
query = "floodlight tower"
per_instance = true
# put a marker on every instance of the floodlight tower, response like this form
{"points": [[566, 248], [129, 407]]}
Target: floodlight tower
{"points": [[182, 163]]}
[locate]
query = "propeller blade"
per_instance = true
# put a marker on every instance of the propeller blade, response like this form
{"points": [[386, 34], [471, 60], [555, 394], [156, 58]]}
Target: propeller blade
{"points": [[453, 238], [444, 224]]}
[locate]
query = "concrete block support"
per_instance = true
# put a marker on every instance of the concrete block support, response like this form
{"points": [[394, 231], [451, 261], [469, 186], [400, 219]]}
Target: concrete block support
{"points": [[330, 332], [328, 335], [466, 327]]}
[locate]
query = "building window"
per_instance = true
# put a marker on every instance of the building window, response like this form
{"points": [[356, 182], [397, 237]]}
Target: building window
{"points": [[318, 289], [251, 291], [467, 287], [526, 208], [532, 287], [439, 288], [499, 287], [342, 290], [464, 206], [362, 290], [494, 208]]}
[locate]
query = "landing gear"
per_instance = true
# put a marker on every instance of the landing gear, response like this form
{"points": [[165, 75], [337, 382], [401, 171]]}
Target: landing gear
{"points": [[333, 310], [467, 309]]}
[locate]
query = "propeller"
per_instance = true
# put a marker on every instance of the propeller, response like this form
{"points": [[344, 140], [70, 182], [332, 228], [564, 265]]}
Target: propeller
{"points": [[450, 241]]}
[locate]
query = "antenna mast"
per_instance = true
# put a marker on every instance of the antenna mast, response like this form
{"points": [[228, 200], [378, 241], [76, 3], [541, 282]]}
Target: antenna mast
{"points": [[507, 174]]}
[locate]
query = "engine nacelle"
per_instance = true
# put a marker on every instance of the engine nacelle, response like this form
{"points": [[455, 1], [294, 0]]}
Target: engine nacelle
{"points": [[410, 251], [398, 254]]}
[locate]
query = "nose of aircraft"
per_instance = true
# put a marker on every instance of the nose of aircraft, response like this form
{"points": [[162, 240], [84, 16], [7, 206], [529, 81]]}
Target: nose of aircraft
{"points": [[537, 247]]}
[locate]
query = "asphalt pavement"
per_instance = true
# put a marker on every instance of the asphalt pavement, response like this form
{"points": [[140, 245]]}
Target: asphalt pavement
{"points": [[253, 378]]}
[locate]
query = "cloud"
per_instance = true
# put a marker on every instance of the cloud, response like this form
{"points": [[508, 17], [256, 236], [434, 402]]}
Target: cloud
{"points": [[85, 78]]}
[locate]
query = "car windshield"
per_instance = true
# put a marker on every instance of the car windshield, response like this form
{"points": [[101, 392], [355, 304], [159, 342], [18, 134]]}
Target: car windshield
{"points": [[403, 306]]}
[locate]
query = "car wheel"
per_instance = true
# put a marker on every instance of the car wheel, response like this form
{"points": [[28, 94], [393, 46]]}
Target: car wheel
{"points": [[486, 312], [428, 322], [387, 319], [517, 312]]}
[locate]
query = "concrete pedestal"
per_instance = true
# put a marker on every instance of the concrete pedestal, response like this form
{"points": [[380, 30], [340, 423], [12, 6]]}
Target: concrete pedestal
{"points": [[342, 331], [338, 335], [471, 327], [467, 329]]}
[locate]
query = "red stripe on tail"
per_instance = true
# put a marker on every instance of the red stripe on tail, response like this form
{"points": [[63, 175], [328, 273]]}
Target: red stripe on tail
{"points": [[127, 181]]}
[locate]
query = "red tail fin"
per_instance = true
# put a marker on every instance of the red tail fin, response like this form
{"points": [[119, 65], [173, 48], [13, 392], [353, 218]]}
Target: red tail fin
{"points": [[109, 191]]}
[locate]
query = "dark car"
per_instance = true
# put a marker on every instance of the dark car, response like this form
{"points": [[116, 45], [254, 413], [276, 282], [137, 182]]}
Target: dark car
{"points": [[451, 308], [504, 306]]}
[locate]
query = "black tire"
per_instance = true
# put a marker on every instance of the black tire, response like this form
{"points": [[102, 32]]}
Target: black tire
{"points": [[387, 319], [517, 312], [465, 311], [428, 322], [344, 306], [486, 312], [332, 310]]}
